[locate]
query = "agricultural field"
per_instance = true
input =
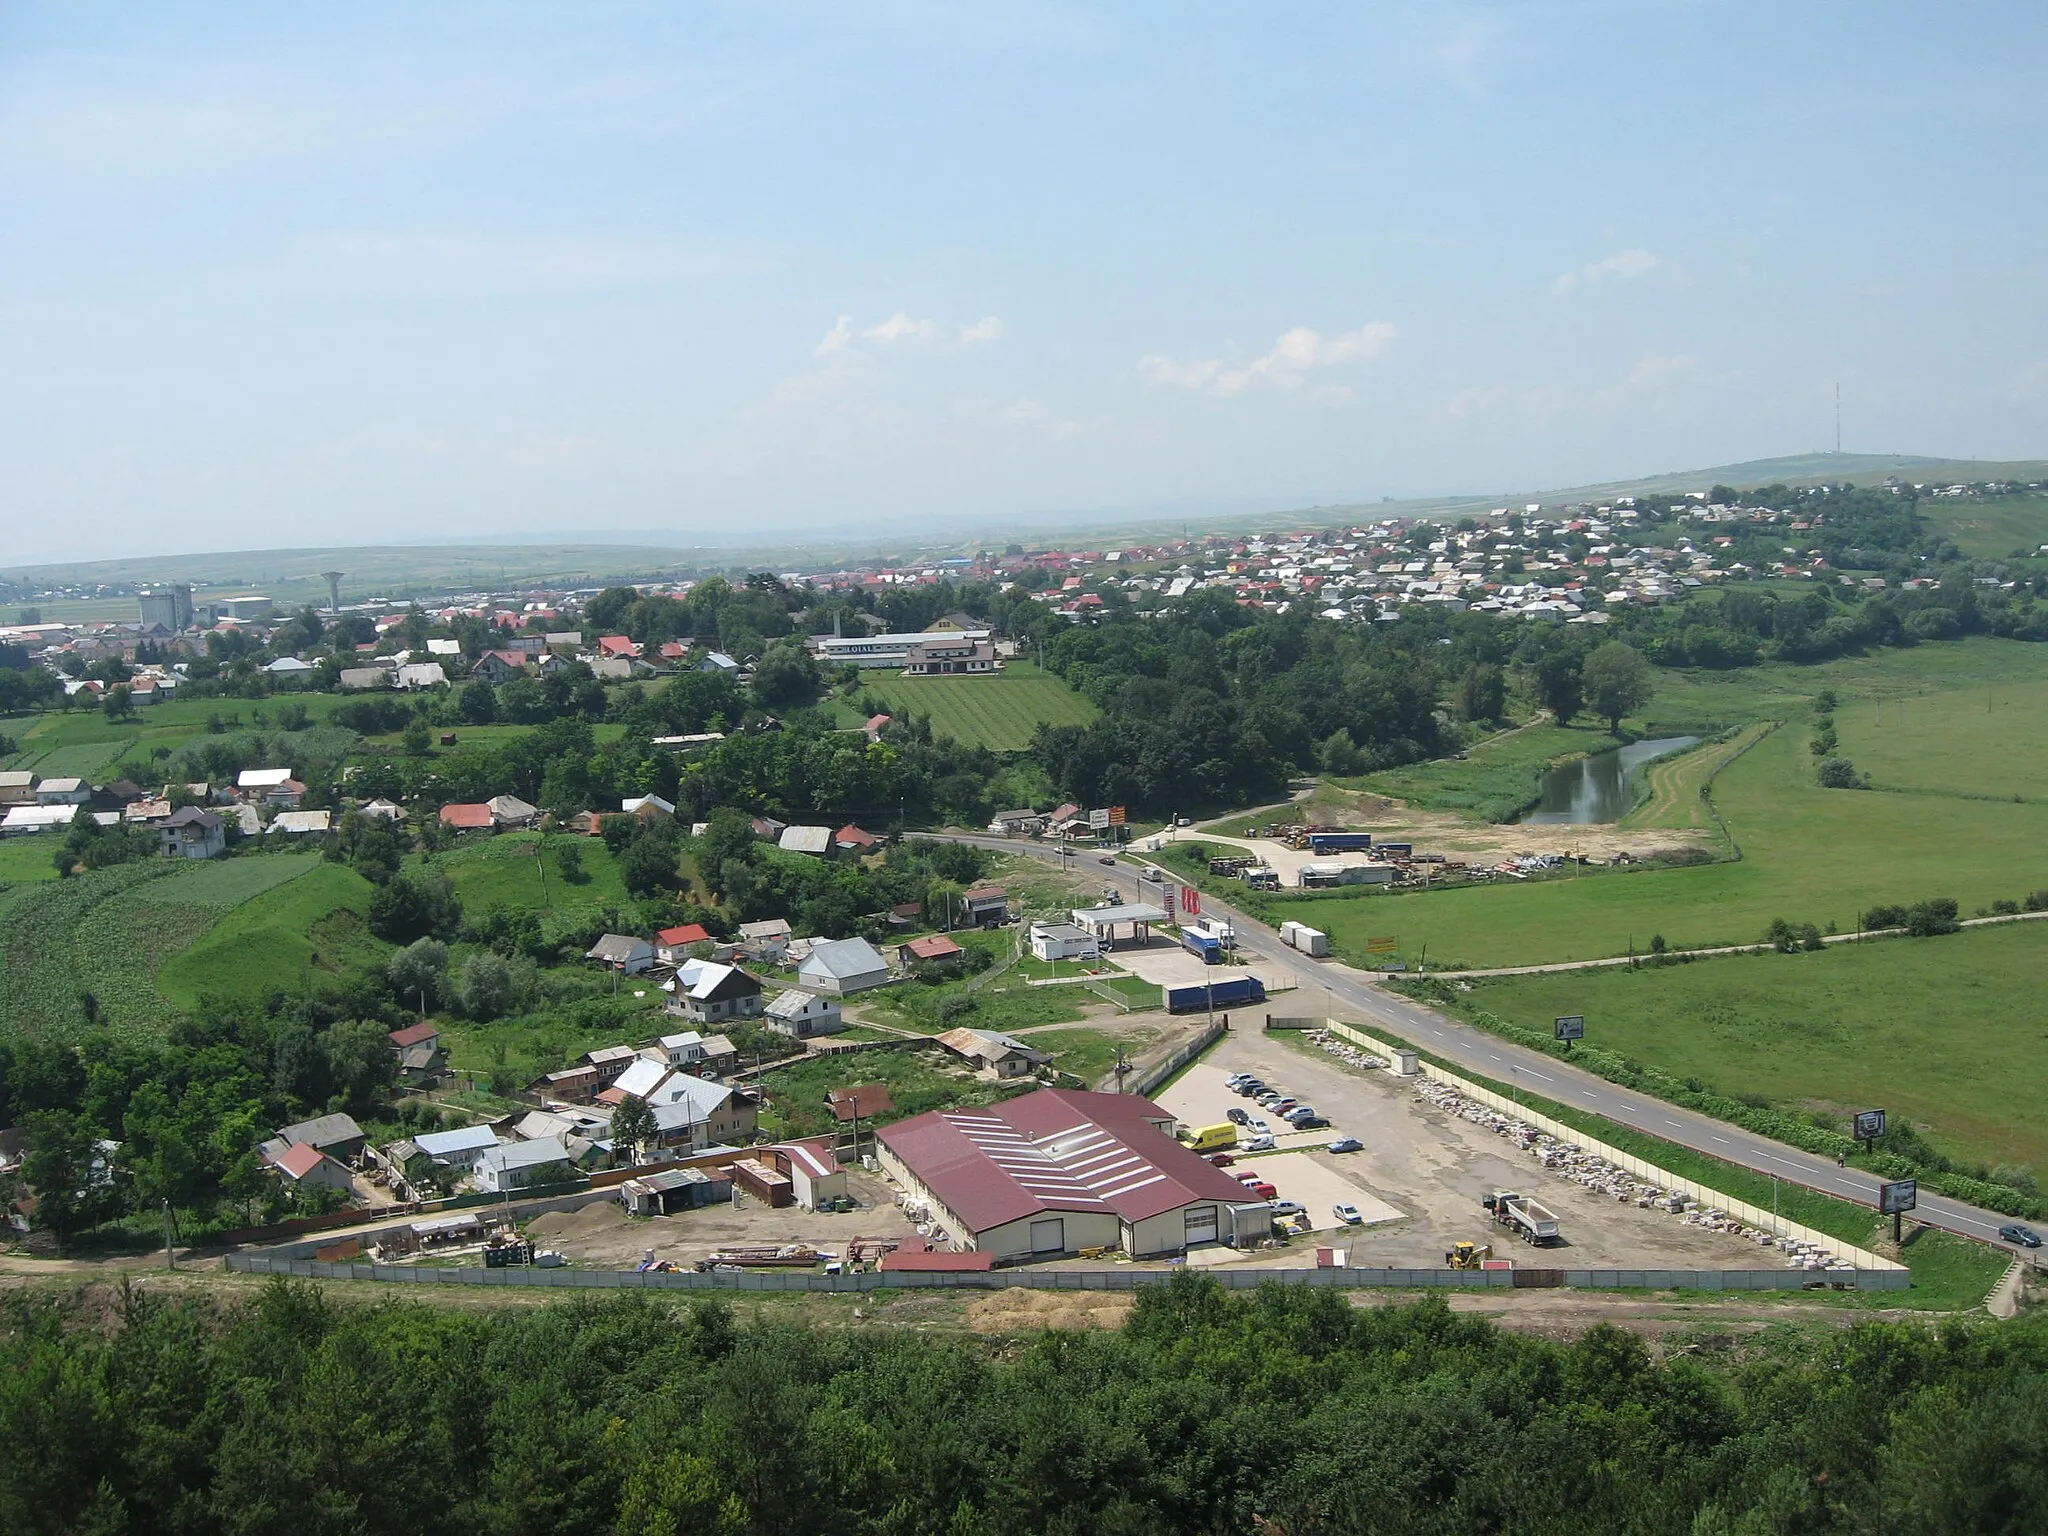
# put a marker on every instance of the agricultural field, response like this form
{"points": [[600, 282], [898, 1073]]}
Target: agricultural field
{"points": [[277, 939], [1833, 1029], [471, 738], [91, 949], [998, 712], [25, 860], [1671, 792], [83, 741], [1986, 742]]}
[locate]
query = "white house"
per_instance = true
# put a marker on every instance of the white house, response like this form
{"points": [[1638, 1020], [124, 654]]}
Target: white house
{"points": [[768, 938], [815, 841], [192, 834], [67, 791], [422, 674], [800, 1014], [522, 1164], [717, 992], [461, 1148], [622, 952], [1063, 941], [840, 966], [289, 667]]}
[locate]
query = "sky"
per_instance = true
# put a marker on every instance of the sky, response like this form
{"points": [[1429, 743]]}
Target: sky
{"points": [[311, 275]]}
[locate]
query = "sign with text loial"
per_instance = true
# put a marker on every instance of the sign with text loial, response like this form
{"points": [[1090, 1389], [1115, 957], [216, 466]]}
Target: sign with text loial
{"points": [[1098, 819], [1572, 1026]]}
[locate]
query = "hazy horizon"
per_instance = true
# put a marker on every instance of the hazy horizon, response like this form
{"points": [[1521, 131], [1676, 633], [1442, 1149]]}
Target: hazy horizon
{"points": [[286, 279]]}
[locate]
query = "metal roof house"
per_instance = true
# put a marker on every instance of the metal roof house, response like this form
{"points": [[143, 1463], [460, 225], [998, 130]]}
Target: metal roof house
{"points": [[521, 1164], [800, 1014], [816, 841], [458, 1148], [622, 952], [1056, 1171], [840, 966]]}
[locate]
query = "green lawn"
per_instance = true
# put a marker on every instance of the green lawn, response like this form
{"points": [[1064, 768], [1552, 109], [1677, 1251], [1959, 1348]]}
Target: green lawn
{"points": [[1941, 1030], [919, 1079], [279, 940], [111, 935], [1985, 741], [998, 712], [83, 741], [25, 860]]}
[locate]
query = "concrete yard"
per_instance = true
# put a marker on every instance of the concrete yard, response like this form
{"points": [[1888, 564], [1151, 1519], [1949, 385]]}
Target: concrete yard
{"points": [[1320, 1184], [1198, 1097], [1435, 1168], [603, 1236], [1168, 964]]}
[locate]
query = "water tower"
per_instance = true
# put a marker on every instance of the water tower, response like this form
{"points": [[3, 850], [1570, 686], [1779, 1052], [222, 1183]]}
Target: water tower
{"points": [[333, 590]]}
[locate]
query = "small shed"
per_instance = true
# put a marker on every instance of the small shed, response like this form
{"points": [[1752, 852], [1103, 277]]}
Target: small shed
{"points": [[672, 1190], [765, 1184], [813, 1172]]}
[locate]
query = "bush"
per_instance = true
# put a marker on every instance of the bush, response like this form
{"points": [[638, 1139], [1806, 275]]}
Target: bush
{"points": [[1927, 918], [1838, 773]]}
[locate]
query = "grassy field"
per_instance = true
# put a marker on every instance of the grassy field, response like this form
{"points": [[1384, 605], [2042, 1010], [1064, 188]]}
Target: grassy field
{"points": [[1985, 741], [25, 860], [1496, 779], [1809, 855], [109, 935], [919, 1079], [997, 712], [502, 870], [83, 741], [279, 940], [1992, 528], [1839, 1029], [1672, 798]]}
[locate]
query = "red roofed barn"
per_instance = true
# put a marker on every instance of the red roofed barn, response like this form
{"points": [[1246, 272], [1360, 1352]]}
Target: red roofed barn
{"points": [[1058, 1171]]}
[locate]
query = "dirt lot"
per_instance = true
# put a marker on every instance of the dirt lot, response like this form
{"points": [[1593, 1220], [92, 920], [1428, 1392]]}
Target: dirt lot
{"points": [[603, 1236], [1436, 1168]]}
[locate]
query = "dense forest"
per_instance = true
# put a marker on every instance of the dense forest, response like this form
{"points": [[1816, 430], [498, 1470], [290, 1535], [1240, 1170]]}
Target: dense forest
{"points": [[1286, 1412]]}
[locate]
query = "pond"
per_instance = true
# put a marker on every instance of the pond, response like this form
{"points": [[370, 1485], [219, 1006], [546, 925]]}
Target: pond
{"points": [[1599, 787]]}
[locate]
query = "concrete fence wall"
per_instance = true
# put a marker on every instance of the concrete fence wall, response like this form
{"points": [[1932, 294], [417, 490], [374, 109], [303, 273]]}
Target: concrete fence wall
{"points": [[1144, 1082], [1107, 1279], [1648, 1172]]}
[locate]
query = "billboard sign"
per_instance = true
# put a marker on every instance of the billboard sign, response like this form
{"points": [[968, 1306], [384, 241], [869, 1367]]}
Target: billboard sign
{"points": [[1118, 816], [1388, 945], [1168, 898], [1868, 1124], [1572, 1027], [1098, 819], [1898, 1196]]}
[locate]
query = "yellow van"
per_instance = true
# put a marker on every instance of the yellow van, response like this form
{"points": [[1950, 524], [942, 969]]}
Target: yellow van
{"points": [[1211, 1138]]}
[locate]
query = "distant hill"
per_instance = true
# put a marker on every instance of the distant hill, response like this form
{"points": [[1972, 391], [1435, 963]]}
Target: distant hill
{"points": [[292, 575]]}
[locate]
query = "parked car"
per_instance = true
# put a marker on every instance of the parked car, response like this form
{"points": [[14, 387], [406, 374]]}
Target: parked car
{"points": [[1259, 1142], [1221, 1159], [1347, 1213], [1345, 1144], [1282, 1105], [1288, 1207], [1266, 1098], [1235, 1078], [1258, 1127], [1250, 1087], [1299, 1112], [1310, 1123], [1237, 1116], [1260, 1189], [2026, 1237]]}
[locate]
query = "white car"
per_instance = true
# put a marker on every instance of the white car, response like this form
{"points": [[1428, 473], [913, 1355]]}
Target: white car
{"points": [[1258, 1127], [1348, 1213], [1259, 1143]]}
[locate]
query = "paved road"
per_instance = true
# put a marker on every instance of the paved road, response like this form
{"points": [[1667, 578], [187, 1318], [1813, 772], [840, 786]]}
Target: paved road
{"points": [[1355, 993]]}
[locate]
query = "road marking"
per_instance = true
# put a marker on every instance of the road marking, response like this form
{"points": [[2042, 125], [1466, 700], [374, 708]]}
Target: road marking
{"points": [[1674, 1124], [1585, 1095], [1723, 1140]]}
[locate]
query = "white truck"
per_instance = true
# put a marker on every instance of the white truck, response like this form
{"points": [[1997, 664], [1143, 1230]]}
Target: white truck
{"points": [[1526, 1216], [1310, 941]]}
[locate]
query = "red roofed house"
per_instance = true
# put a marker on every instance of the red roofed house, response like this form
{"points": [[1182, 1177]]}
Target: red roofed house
{"points": [[1057, 1171], [467, 818], [416, 1034], [938, 947], [811, 1168], [306, 1167], [618, 645], [672, 946], [500, 666], [874, 726], [851, 839]]}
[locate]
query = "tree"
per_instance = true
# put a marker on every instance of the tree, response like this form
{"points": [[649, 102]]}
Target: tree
{"points": [[65, 1168], [786, 677], [493, 986], [649, 864], [1838, 773], [418, 741], [1560, 685], [569, 864], [1482, 693], [413, 906], [633, 1127], [119, 704], [1616, 681], [478, 703], [419, 972]]}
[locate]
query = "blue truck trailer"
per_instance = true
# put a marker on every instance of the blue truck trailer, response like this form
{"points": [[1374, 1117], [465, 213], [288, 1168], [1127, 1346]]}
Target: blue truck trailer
{"points": [[1206, 947], [1225, 992]]}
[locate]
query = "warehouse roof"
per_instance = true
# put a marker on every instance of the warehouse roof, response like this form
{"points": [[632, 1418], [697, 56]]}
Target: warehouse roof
{"points": [[1055, 1150]]}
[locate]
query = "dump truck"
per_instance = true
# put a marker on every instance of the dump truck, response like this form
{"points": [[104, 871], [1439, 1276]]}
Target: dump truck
{"points": [[1468, 1255], [1526, 1216]]}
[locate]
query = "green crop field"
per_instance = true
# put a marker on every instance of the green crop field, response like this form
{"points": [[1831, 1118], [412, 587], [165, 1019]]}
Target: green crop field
{"points": [[276, 940], [998, 712], [28, 859], [83, 741], [1987, 741], [108, 934], [1924, 1027]]}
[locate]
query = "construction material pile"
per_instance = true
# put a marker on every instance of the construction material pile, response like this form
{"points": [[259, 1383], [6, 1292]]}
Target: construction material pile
{"points": [[1596, 1175], [1345, 1051]]}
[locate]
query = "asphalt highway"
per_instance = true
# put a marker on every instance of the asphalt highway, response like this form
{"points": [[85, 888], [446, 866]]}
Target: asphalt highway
{"points": [[1354, 994]]}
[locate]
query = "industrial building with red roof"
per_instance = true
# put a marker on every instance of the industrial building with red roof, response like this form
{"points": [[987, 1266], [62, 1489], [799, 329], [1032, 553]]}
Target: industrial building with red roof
{"points": [[1058, 1171]]}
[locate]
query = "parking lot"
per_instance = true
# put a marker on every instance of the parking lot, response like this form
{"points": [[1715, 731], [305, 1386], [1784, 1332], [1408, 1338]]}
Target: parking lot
{"points": [[1199, 1097], [1430, 1167]]}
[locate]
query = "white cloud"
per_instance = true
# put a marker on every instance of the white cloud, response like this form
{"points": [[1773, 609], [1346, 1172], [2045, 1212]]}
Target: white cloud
{"points": [[1294, 353], [988, 328], [838, 339], [900, 325], [1622, 266]]}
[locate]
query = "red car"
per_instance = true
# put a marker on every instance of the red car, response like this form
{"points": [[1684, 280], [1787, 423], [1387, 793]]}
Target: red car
{"points": [[1221, 1159], [1258, 1186]]}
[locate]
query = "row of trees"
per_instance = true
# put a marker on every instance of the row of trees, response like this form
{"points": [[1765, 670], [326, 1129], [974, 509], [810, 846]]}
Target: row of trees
{"points": [[1286, 1412]]}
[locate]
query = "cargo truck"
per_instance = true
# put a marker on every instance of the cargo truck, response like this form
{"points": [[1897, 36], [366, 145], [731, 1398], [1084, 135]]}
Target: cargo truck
{"points": [[1310, 941], [1320, 843], [1224, 992], [1525, 1216], [1205, 947]]}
